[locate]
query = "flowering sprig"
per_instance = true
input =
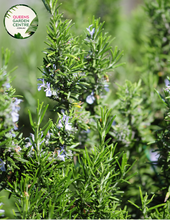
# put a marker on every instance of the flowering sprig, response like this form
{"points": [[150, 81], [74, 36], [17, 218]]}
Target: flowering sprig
{"points": [[58, 154], [64, 121], [7, 85], [62, 136], [91, 32], [72, 74], [9, 116], [61, 153], [97, 65], [46, 86], [63, 63], [15, 108]]}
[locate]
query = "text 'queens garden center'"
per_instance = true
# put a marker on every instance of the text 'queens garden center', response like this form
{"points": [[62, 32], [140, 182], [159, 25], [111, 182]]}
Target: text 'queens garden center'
{"points": [[20, 20]]}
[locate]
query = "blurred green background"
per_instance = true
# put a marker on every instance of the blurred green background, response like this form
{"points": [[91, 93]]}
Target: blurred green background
{"points": [[125, 21]]}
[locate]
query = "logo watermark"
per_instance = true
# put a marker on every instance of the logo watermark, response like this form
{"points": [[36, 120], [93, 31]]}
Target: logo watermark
{"points": [[21, 21]]}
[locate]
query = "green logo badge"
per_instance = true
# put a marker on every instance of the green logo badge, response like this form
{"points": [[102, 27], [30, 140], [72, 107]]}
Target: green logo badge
{"points": [[21, 21]]}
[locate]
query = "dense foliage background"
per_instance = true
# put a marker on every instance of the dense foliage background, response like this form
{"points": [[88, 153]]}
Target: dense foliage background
{"points": [[127, 146], [118, 23]]}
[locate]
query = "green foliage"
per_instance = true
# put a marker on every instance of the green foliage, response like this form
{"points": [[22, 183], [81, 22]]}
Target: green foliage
{"points": [[162, 213], [131, 112], [98, 179], [8, 109], [33, 26], [158, 49], [18, 36], [95, 157], [163, 141], [144, 204], [45, 188], [79, 64], [8, 15]]}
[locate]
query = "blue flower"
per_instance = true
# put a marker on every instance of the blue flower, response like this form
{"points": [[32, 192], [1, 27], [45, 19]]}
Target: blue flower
{"points": [[31, 141], [15, 116], [154, 156], [2, 165], [61, 156], [91, 32], [86, 131], [106, 87], [1, 210], [48, 135], [41, 85], [67, 125], [48, 90], [30, 153], [54, 66], [60, 153], [65, 121], [114, 123], [12, 132], [59, 125], [90, 98], [15, 108], [47, 138], [7, 85], [167, 83], [17, 102]]}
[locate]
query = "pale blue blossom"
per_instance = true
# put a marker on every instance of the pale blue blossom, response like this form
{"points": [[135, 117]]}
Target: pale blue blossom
{"points": [[154, 155], [15, 108], [15, 105], [48, 135], [29, 143], [86, 131], [46, 86], [114, 123], [47, 138], [1, 210], [2, 165], [15, 116], [7, 85], [167, 83], [61, 154], [12, 133], [48, 90], [31, 140], [106, 87], [64, 121], [54, 66], [91, 32], [90, 98], [17, 102], [67, 125], [59, 125], [41, 85]]}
